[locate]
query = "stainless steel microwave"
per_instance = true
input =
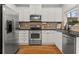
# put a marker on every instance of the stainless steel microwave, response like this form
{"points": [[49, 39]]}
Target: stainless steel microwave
{"points": [[35, 17]]}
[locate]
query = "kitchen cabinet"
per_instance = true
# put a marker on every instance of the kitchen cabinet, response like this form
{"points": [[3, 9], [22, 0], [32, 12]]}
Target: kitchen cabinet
{"points": [[35, 9], [24, 13], [51, 14], [23, 37], [47, 37], [52, 37], [58, 39]]}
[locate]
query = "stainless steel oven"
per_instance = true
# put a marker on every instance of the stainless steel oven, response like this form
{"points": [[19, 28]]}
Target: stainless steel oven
{"points": [[35, 37]]}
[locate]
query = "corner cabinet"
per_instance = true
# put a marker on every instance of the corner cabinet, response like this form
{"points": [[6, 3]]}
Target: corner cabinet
{"points": [[50, 37], [23, 37], [58, 39]]}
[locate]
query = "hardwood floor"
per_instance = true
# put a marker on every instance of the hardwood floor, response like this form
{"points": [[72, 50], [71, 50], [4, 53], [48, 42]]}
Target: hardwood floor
{"points": [[45, 49]]}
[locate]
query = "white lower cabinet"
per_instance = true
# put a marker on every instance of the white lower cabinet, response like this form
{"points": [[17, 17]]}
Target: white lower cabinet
{"points": [[52, 37], [23, 37], [58, 40], [47, 37]]}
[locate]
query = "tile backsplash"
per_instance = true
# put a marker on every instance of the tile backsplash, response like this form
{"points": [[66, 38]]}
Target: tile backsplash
{"points": [[44, 25]]}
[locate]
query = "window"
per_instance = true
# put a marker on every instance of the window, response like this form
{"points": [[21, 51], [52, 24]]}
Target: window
{"points": [[68, 15], [72, 13]]}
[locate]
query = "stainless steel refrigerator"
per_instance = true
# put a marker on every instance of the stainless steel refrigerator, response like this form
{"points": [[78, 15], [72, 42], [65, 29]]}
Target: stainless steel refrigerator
{"points": [[10, 45]]}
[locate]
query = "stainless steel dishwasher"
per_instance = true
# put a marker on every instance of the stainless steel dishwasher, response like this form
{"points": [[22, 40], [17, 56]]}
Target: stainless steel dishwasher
{"points": [[69, 44]]}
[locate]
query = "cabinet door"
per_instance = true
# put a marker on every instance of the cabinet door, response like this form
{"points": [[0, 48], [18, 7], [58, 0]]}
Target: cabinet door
{"points": [[26, 35], [44, 37], [24, 13], [51, 14], [35, 9], [23, 37], [58, 40], [51, 36], [47, 37], [58, 15]]}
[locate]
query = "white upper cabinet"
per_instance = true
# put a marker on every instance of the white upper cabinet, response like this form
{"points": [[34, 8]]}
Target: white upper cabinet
{"points": [[24, 12], [51, 14], [35, 9]]}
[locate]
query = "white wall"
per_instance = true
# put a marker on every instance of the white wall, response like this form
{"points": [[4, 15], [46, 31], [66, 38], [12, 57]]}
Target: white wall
{"points": [[68, 7], [11, 6], [10, 9]]}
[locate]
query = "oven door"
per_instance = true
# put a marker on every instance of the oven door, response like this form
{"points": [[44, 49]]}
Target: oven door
{"points": [[35, 37]]}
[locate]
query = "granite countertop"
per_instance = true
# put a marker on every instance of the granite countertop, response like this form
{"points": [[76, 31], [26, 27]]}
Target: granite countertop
{"points": [[72, 33]]}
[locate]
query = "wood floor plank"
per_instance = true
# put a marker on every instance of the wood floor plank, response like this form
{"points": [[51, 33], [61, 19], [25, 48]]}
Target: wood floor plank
{"points": [[45, 49]]}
